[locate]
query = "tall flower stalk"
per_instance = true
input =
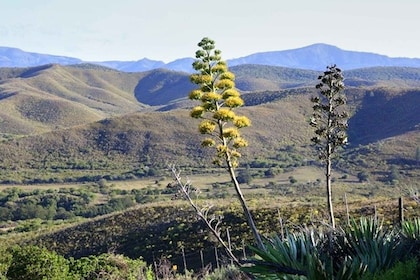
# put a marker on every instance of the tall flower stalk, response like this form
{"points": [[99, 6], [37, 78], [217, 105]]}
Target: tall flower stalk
{"points": [[218, 98], [329, 119]]}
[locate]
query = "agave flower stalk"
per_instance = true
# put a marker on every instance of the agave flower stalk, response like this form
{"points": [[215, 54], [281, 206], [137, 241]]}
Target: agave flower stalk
{"points": [[329, 120], [218, 98]]}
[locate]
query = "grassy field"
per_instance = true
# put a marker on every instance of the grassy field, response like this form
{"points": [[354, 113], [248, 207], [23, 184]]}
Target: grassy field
{"points": [[308, 184]]}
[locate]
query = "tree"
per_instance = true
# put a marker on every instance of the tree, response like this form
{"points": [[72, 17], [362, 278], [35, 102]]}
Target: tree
{"points": [[218, 98], [329, 119]]}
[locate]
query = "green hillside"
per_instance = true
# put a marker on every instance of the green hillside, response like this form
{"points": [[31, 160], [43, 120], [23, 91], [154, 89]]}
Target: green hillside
{"points": [[271, 78], [123, 144], [85, 122], [123, 147], [51, 97], [40, 99]]}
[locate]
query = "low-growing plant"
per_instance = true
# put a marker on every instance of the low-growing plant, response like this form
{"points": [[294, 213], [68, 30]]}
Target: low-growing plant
{"points": [[362, 248], [410, 232], [411, 229], [295, 256], [373, 245], [5, 260]]}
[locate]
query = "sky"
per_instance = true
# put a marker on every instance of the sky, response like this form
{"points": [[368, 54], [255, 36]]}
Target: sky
{"points": [[129, 30]]}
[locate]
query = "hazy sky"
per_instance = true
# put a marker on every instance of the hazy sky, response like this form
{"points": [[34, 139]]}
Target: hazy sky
{"points": [[99, 30]]}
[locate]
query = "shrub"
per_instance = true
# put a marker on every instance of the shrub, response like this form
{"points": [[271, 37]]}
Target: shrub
{"points": [[32, 262], [292, 180], [225, 273], [401, 271], [372, 245], [363, 176], [109, 266], [411, 236], [5, 260]]}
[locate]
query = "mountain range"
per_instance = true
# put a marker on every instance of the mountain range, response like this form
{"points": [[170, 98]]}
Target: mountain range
{"points": [[313, 57]]}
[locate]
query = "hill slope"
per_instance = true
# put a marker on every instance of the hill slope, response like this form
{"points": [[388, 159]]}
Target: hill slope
{"points": [[122, 146], [385, 113], [43, 98], [161, 137], [48, 97]]}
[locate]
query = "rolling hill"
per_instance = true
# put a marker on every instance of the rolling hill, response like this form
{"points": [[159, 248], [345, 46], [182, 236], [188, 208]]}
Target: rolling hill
{"points": [[90, 120], [43, 98], [49, 97]]}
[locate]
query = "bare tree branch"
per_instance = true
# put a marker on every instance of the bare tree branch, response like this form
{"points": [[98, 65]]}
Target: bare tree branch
{"points": [[213, 223]]}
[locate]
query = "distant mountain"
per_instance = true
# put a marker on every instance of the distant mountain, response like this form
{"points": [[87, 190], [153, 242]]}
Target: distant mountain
{"points": [[141, 65], [313, 57], [145, 64], [318, 56], [182, 64], [12, 57]]}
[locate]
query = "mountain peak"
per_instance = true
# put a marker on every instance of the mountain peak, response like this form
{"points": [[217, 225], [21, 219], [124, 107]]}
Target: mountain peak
{"points": [[322, 46], [147, 60]]}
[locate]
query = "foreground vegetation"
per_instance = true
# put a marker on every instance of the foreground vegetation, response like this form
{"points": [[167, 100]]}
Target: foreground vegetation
{"points": [[365, 249], [362, 250]]}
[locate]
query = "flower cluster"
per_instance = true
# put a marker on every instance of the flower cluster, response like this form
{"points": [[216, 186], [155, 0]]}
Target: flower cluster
{"points": [[218, 97]]}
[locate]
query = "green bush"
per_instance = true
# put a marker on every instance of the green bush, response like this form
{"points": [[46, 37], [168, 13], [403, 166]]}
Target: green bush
{"points": [[226, 273], [32, 262], [5, 260], [109, 266], [401, 271], [411, 236]]}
